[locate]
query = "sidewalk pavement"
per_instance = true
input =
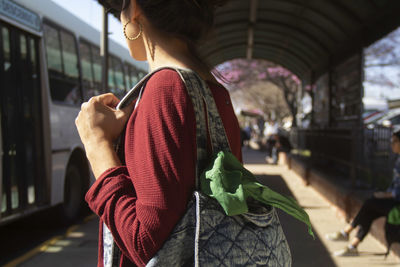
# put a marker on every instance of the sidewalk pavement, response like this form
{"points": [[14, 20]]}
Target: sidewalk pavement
{"points": [[78, 247], [324, 218]]}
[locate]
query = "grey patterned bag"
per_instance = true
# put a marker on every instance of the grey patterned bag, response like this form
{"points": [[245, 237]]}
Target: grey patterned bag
{"points": [[206, 236]]}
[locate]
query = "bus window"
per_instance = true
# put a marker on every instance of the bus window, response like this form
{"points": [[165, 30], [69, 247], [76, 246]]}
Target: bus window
{"points": [[97, 72], [20, 105], [111, 81], [62, 61], [33, 57], [70, 56], [5, 181], [86, 62], [29, 89], [141, 74], [96, 64], [53, 49], [127, 77], [119, 77], [87, 74], [11, 190], [115, 77], [32, 95], [23, 47], [134, 75]]}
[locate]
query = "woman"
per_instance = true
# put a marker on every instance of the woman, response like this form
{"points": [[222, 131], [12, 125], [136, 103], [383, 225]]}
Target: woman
{"points": [[142, 200], [377, 206]]}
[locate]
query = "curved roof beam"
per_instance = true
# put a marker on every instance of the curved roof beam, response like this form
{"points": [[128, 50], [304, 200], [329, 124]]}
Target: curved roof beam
{"points": [[344, 10], [269, 57], [265, 43], [282, 55], [301, 73], [293, 35], [313, 38], [292, 41], [321, 16], [281, 51], [285, 16], [293, 64], [275, 34], [325, 25], [373, 4], [285, 30], [317, 10], [292, 45]]}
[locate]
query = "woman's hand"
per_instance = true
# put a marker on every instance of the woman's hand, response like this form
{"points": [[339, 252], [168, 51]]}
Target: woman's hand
{"points": [[99, 124], [383, 195], [99, 121]]}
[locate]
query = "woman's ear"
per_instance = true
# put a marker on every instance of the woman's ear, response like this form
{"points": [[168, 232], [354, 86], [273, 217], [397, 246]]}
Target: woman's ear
{"points": [[135, 10]]}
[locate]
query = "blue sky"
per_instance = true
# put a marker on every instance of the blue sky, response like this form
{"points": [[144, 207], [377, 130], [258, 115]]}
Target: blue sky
{"points": [[91, 12]]}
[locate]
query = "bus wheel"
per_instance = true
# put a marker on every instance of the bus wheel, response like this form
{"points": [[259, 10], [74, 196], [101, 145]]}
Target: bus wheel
{"points": [[73, 194]]}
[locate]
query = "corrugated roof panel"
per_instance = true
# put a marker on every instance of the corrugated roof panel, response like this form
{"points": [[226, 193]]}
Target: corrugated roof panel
{"points": [[304, 36]]}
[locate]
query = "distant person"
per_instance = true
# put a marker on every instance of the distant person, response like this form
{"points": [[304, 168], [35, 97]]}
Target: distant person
{"points": [[271, 136], [243, 137], [379, 205], [283, 144], [248, 130], [246, 135]]}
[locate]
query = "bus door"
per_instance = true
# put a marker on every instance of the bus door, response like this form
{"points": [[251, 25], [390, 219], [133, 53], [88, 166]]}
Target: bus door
{"points": [[23, 175]]}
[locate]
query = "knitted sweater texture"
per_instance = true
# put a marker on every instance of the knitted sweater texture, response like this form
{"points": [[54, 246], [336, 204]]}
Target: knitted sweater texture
{"points": [[142, 201]]}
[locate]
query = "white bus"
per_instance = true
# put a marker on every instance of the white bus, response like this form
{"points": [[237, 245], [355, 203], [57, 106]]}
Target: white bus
{"points": [[49, 64]]}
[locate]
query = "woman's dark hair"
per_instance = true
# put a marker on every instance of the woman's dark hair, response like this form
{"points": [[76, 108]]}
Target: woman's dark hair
{"points": [[397, 134], [190, 20]]}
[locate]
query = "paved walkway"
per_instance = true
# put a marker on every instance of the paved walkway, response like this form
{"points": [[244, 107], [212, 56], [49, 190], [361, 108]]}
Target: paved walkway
{"points": [[78, 247], [324, 218]]}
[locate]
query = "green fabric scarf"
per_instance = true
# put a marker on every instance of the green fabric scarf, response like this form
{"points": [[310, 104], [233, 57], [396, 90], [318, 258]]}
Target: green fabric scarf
{"points": [[231, 184], [394, 216]]}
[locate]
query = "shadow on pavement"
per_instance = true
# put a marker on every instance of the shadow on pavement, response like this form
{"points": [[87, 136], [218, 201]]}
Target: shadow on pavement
{"points": [[305, 250], [251, 156]]}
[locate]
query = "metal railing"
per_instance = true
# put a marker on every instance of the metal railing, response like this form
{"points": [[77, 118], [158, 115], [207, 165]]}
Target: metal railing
{"points": [[362, 155]]}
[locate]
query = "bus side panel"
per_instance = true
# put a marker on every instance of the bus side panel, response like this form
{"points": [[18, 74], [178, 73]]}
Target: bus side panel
{"points": [[64, 138], [60, 161], [64, 134]]}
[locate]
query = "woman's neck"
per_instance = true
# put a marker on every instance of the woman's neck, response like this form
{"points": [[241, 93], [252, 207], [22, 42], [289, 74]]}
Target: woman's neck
{"points": [[165, 51]]}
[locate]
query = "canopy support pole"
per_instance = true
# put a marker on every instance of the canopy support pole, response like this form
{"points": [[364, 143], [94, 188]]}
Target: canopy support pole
{"points": [[104, 52], [250, 31]]}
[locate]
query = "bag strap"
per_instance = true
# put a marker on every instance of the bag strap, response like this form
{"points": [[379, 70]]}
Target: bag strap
{"points": [[219, 139], [191, 84], [202, 101]]}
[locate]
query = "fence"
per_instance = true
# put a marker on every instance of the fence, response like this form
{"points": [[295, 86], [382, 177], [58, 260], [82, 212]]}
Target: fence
{"points": [[361, 155]]}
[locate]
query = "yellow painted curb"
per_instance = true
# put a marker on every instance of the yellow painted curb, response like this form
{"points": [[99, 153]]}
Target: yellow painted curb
{"points": [[45, 245], [33, 252]]}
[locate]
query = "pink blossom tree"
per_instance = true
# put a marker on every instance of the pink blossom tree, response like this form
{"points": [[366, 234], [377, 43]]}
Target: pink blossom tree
{"points": [[242, 74]]}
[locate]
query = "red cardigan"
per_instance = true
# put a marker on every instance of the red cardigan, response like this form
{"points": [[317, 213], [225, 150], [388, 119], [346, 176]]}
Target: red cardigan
{"points": [[142, 201]]}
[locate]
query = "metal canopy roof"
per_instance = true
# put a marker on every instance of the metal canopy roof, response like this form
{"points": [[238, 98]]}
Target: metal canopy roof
{"points": [[305, 36]]}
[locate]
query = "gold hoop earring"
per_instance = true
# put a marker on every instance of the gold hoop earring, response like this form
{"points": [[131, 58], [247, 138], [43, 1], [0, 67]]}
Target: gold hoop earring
{"points": [[137, 36]]}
